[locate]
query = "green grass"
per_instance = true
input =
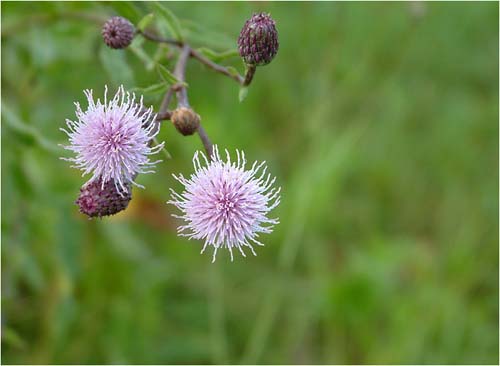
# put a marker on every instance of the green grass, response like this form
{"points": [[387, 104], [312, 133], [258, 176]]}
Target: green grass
{"points": [[382, 128]]}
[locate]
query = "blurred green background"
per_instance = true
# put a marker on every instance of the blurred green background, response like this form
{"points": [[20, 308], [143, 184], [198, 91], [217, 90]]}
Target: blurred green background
{"points": [[380, 121]]}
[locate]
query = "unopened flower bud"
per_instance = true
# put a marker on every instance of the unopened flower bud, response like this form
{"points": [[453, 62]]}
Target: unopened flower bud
{"points": [[118, 32], [185, 120], [97, 201], [258, 40]]}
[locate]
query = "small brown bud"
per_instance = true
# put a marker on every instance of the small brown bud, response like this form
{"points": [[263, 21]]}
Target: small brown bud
{"points": [[185, 120]]}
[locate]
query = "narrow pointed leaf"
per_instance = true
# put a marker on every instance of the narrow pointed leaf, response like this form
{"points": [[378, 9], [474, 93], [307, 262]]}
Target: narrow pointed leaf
{"points": [[152, 89], [145, 22], [126, 9], [232, 70], [170, 20], [136, 48], [217, 56], [116, 66], [243, 93], [166, 75]]}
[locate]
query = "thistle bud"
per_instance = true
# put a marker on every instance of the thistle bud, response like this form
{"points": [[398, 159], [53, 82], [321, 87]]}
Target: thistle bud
{"points": [[258, 40], [185, 120], [118, 32], [97, 201]]}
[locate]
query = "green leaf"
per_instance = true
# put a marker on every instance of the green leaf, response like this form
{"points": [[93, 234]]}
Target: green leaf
{"points": [[137, 42], [243, 93], [161, 52], [145, 22], [153, 89], [232, 70], [25, 132], [170, 20], [127, 10], [136, 48], [11, 338], [217, 56], [166, 75], [115, 64], [197, 33]]}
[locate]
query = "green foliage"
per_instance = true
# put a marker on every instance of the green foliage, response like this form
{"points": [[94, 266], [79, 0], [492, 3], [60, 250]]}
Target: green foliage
{"points": [[137, 48], [380, 122], [159, 88], [116, 66], [166, 75], [126, 9], [169, 19], [243, 93], [217, 56], [145, 22]]}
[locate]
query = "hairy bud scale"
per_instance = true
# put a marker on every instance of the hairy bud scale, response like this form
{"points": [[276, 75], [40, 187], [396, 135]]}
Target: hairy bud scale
{"points": [[258, 40]]}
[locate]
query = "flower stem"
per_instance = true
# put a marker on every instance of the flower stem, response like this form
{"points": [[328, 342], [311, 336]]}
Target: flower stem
{"points": [[182, 98], [180, 74], [216, 67], [209, 147], [158, 39], [163, 116], [166, 102], [198, 56], [249, 75]]}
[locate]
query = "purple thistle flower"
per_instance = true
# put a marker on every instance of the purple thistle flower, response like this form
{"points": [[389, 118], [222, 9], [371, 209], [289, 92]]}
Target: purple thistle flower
{"points": [[111, 140], [226, 205]]}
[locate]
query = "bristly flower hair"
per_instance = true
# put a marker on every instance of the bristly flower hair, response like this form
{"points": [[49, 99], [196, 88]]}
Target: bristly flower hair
{"points": [[111, 140], [226, 205]]}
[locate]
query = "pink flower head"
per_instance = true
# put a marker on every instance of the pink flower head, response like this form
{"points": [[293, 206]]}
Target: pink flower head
{"points": [[111, 139], [226, 205]]}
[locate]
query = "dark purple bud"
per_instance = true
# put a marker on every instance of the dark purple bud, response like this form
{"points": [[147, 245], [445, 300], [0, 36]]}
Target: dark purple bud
{"points": [[118, 32], [96, 200], [258, 40]]}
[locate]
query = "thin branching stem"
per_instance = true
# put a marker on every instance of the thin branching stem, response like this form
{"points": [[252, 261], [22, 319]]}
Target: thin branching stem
{"points": [[249, 75], [182, 98], [180, 74], [243, 81], [166, 102], [158, 39], [216, 67], [209, 147]]}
